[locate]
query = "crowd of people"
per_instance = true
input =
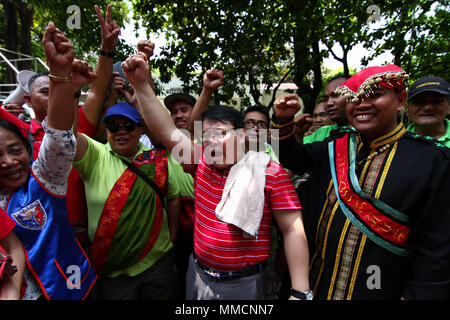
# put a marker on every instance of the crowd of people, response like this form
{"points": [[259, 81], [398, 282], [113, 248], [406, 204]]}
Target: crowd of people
{"points": [[124, 198]]}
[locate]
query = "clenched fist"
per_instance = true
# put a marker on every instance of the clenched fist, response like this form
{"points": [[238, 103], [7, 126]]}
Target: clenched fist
{"points": [[59, 51], [82, 74], [213, 79], [286, 106], [147, 47], [136, 69]]}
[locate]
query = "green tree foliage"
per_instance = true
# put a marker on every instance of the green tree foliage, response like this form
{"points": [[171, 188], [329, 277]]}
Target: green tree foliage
{"points": [[253, 42], [256, 43], [241, 38], [86, 39], [25, 21], [344, 24], [265, 41], [416, 33]]}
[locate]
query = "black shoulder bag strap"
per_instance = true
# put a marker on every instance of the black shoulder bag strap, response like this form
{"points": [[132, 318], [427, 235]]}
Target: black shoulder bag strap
{"points": [[149, 181]]}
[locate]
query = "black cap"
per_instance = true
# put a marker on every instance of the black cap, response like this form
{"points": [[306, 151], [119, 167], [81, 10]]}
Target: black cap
{"points": [[170, 100], [428, 83]]}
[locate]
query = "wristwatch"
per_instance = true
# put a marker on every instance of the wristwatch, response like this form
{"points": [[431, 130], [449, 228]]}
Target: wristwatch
{"points": [[107, 54], [306, 295]]}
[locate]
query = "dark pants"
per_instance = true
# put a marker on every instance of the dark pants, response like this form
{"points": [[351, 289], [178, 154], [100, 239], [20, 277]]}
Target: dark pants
{"points": [[158, 282], [183, 249], [200, 287]]}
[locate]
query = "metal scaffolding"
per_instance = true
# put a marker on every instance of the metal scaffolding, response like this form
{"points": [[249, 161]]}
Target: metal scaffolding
{"points": [[6, 88]]}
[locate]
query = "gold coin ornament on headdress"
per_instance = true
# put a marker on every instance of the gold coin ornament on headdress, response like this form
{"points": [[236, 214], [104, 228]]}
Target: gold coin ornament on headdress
{"points": [[361, 85]]}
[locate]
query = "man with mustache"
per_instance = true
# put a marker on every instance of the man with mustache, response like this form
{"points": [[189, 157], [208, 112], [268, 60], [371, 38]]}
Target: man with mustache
{"points": [[428, 107]]}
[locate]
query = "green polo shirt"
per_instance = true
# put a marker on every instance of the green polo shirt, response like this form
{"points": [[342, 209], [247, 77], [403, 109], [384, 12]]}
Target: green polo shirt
{"points": [[445, 139], [184, 180], [100, 168], [271, 153], [320, 134]]}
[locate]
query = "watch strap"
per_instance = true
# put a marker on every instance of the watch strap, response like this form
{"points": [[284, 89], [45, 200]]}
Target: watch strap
{"points": [[300, 294], [107, 54]]}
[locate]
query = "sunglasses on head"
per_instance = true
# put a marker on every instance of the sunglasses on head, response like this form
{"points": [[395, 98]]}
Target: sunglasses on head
{"points": [[114, 127]]}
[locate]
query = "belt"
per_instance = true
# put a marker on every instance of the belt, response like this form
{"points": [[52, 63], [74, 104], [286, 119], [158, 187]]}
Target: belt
{"points": [[217, 275]]}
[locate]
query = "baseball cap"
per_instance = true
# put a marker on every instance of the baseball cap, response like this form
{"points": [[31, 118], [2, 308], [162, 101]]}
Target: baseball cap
{"points": [[125, 110], [429, 83], [170, 100]]}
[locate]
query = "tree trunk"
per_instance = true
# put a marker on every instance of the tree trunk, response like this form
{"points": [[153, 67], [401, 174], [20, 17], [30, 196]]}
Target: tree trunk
{"points": [[11, 36], [274, 93], [26, 22], [398, 52], [307, 93], [400, 47], [345, 61], [253, 84], [307, 54], [317, 73]]}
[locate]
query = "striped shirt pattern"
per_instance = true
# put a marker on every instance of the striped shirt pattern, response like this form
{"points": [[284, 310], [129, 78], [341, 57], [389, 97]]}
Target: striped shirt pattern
{"points": [[223, 246]]}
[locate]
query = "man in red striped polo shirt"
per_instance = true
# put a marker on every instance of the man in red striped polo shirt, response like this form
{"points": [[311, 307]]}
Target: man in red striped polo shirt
{"points": [[227, 262]]}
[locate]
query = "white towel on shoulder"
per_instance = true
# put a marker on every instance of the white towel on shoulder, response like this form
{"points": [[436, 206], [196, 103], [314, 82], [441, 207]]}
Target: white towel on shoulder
{"points": [[242, 200]]}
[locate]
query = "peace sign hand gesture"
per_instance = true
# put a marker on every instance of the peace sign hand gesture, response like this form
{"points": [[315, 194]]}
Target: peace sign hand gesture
{"points": [[110, 29]]}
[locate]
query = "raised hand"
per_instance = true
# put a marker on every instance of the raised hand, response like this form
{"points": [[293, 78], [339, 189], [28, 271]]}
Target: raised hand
{"points": [[212, 79], [302, 123], [147, 47], [59, 51], [82, 74], [119, 85], [14, 108], [110, 29], [136, 69], [286, 106]]}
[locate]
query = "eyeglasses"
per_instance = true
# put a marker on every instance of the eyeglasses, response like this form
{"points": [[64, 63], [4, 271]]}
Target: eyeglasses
{"points": [[114, 127], [215, 133], [251, 124]]}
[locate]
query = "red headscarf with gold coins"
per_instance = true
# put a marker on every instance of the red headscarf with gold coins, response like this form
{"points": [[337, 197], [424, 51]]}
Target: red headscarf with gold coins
{"points": [[361, 85]]}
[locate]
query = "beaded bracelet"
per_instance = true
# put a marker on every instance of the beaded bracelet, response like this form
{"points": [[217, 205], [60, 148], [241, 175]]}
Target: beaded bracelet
{"points": [[59, 79]]}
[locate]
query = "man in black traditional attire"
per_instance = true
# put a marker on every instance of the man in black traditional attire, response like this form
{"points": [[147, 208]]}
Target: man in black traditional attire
{"points": [[378, 218]]}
